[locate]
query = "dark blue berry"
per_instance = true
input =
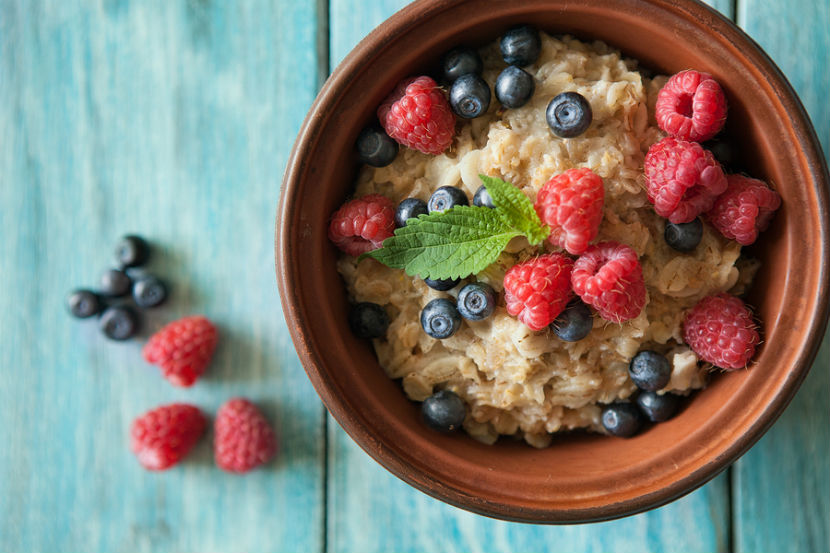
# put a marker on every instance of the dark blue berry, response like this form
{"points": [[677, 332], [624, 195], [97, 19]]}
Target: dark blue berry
{"points": [[440, 318], [622, 419], [132, 251], [683, 237], [476, 301], [442, 284], [724, 152], [569, 114], [409, 209], [574, 323], [375, 147], [469, 96], [149, 291], [514, 87], [656, 407], [461, 61], [649, 370], [368, 320], [482, 198], [119, 323], [84, 303], [115, 283], [446, 198], [443, 411], [521, 45]]}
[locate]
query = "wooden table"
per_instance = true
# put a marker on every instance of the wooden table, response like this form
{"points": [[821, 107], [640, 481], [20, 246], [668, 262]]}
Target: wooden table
{"points": [[173, 119]]}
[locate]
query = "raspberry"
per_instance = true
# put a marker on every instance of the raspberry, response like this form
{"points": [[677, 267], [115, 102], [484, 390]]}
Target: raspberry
{"points": [[682, 178], [362, 225], [418, 115], [571, 205], [244, 440], [691, 106], [744, 210], [537, 290], [720, 330], [182, 349], [162, 437], [608, 276]]}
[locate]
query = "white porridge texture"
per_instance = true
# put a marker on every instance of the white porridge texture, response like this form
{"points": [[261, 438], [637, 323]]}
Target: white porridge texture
{"points": [[532, 384]]}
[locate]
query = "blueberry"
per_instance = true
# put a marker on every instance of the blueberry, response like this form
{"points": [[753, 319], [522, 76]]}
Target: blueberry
{"points": [[514, 87], [469, 96], [375, 147], [461, 61], [683, 237], [649, 370], [149, 291], [476, 301], [569, 114], [521, 45], [84, 303], [119, 322], [574, 323], [440, 318], [656, 407], [115, 283], [408, 209], [622, 419], [442, 284], [724, 152], [446, 198], [482, 198], [131, 251], [443, 411], [368, 320]]}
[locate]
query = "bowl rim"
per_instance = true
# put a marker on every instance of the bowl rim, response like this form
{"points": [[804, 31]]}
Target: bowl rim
{"points": [[310, 134]]}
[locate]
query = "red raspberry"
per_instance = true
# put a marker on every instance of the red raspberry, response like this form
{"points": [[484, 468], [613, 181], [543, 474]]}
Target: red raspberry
{"points": [[608, 276], [682, 178], [182, 349], [244, 440], [537, 290], [417, 114], [362, 225], [744, 210], [720, 330], [162, 437], [691, 106], [571, 205]]}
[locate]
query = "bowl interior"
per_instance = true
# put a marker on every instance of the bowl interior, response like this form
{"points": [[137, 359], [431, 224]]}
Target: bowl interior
{"points": [[579, 477]]}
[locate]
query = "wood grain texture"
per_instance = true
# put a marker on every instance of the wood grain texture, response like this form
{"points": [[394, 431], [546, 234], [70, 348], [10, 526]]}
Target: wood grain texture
{"points": [[172, 119]]}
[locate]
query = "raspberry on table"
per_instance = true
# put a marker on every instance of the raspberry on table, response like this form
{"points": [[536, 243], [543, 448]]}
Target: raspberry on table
{"points": [[361, 225], [418, 115], [744, 210], [161, 437], [609, 277], [571, 205], [536, 291], [691, 106], [682, 179], [182, 349], [244, 440], [720, 330]]}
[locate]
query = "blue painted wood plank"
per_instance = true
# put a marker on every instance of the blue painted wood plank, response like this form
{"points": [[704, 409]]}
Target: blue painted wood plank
{"points": [[173, 120]]}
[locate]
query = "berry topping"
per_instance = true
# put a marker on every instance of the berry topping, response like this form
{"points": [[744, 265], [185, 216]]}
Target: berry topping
{"points": [[724, 152], [569, 114], [119, 322], [571, 205], [744, 210], [149, 291], [182, 349], [720, 330], [375, 147], [244, 440], [521, 45], [649, 371], [131, 251], [691, 106], [443, 411], [418, 115], [514, 87], [408, 209], [368, 320], [83, 304], [574, 323], [440, 318], [442, 284], [657, 407], [608, 277], [362, 225], [162, 437], [682, 178], [537, 290], [447, 197], [115, 283], [683, 237], [482, 198], [470, 96], [476, 301], [460, 61], [622, 419]]}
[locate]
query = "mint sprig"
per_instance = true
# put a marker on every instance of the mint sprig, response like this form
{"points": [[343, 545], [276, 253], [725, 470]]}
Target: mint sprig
{"points": [[465, 239]]}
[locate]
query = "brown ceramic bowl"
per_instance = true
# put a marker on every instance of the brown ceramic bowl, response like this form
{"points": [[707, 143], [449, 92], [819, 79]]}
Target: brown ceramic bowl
{"points": [[585, 477]]}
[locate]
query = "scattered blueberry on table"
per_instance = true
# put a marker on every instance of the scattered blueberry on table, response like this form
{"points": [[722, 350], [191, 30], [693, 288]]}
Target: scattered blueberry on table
{"points": [[119, 322], [115, 283], [84, 303]]}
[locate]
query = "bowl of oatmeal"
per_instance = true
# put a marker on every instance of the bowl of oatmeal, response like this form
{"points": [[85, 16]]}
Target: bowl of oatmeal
{"points": [[533, 445]]}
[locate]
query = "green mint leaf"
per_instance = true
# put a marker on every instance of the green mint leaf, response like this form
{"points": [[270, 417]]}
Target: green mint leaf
{"points": [[516, 208]]}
